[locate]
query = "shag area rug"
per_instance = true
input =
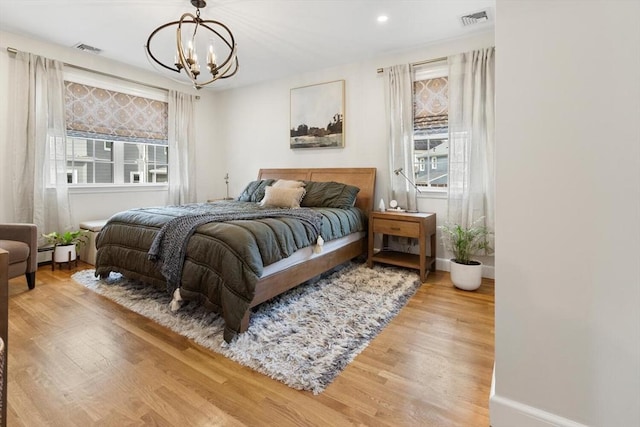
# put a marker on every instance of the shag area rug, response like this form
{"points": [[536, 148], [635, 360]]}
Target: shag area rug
{"points": [[303, 338]]}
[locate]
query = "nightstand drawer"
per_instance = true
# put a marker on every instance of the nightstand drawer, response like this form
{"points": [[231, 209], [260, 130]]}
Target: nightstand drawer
{"points": [[396, 228]]}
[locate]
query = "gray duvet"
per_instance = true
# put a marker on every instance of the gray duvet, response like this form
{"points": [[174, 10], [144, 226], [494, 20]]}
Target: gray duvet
{"points": [[223, 259]]}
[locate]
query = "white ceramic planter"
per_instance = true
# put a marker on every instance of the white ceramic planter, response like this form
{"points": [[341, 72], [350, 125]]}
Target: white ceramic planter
{"points": [[64, 253], [466, 276]]}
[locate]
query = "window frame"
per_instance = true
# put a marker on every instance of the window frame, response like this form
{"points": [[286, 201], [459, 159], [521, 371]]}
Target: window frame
{"points": [[147, 172], [420, 72], [119, 85]]}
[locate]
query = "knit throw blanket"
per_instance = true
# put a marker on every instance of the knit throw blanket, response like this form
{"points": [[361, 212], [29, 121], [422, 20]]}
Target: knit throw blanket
{"points": [[169, 247]]}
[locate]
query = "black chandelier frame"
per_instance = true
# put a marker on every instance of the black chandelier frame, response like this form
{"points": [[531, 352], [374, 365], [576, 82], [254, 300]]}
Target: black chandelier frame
{"points": [[229, 66]]}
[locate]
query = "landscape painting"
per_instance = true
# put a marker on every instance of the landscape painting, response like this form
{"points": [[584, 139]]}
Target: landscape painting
{"points": [[317, 116]]}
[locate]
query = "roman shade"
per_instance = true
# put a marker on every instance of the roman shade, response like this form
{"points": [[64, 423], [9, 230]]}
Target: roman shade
{"points": [[96, 113], [431, 105]]}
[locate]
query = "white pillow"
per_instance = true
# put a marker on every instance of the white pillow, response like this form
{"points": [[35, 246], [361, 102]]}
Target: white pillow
{"points": [[282, 197], [286, 183]]}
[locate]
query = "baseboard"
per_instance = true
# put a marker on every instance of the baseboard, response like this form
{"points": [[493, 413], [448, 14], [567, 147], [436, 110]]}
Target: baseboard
{"points": [[44, 257], [505, 412], [488, 271]]}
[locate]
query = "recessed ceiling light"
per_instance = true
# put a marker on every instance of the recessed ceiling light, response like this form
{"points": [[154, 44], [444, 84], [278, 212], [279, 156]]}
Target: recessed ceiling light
{"points": [[383, 18]]}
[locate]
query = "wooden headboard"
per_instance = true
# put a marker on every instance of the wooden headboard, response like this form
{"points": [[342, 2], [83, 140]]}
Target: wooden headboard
{"points": [[363, 178]]}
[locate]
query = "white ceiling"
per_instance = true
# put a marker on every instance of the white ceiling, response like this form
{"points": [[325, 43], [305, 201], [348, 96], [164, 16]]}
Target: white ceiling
{"points": [[275, 38]]}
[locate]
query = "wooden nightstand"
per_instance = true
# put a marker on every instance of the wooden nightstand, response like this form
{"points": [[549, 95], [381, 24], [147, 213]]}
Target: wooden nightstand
{"points": [[421, 226]]}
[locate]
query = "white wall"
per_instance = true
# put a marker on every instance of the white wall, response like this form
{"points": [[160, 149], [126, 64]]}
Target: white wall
{"points": [[568, 214], [253, 122], [211, 162], [87, 205]]}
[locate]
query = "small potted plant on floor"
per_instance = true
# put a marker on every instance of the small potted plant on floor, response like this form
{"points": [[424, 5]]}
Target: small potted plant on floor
{"points": [[463, 242], [65, 244]]}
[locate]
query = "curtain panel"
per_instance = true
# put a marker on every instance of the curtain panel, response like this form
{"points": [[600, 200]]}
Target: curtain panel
{"points": [[399, 106], [472, 138], [182, 162], [38, 144]]}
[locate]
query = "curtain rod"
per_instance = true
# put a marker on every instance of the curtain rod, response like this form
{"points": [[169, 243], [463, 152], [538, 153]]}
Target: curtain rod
{"points": [[427, 61], [14, 51]]}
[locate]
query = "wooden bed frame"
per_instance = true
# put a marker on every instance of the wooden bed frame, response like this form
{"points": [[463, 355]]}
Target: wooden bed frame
{"points": [[277, 283]]}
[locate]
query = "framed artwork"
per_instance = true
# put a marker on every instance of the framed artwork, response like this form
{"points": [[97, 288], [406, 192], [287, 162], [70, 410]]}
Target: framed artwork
{"points": [[317, 116]]}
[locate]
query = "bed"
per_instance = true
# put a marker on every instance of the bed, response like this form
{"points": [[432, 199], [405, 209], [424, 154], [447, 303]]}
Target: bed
{"points": [[220, 267]]}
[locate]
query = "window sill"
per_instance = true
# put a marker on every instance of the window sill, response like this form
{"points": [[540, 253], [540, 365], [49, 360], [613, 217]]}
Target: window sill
{"points": [[425, 194], [116, 188]]}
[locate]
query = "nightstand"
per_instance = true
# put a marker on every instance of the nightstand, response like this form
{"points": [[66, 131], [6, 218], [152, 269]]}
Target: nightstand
{"points": [[421, 226]]}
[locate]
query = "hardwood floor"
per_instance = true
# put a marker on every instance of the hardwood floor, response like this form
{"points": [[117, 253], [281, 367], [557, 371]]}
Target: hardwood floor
{"points": [[78, 359]]}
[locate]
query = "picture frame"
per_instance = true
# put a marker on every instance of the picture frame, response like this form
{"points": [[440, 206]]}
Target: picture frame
{"points": [[317, 116]]}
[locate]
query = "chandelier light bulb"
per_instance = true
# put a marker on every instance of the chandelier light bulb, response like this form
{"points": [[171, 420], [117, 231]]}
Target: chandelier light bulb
{"points": [[190, 50], [211, 56], [176, 61]]}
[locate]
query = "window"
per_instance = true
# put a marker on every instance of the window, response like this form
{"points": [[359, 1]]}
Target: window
{"points": [[145, 163], [115, 137], [88, 162], [431, 126], [94, 161]]}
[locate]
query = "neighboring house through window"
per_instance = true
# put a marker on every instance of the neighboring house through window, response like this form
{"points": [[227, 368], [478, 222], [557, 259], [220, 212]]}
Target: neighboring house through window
{"points": [[115, 136], [431, 126]]}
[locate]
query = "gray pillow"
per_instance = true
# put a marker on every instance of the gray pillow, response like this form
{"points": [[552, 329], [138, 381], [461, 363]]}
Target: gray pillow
{"points": [[329, 195], [254, 191]]}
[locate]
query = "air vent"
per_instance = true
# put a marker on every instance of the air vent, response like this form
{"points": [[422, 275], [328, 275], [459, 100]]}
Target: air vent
{"points": [[87, 48], [474, 18]]}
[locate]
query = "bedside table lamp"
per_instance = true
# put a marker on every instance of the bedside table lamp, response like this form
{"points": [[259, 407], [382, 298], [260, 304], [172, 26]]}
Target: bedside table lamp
{"points": [[399, 172], [226, 181]]}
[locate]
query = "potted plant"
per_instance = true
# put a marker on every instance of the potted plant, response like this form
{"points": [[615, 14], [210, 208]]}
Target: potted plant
{"points": [[65, 244], [463, 242]]}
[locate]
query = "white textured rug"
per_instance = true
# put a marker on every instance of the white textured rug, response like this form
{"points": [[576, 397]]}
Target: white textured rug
{"points": [[303, 338]]}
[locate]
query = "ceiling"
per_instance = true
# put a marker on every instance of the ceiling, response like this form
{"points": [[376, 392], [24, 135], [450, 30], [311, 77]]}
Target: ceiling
{"points": [[275, 38]]}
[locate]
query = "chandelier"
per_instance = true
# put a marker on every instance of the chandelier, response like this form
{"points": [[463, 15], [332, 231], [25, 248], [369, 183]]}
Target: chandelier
{"points": [[186, 57]]}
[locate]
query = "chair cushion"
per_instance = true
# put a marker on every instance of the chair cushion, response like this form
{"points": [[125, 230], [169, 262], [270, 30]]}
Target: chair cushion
{"points": [[95, 225], [18, 251]]}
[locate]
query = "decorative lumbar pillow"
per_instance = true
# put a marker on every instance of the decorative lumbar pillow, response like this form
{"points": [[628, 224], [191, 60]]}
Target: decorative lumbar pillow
{"points": [[329, 194], [282, 197], [254, 191], [286, 183]]}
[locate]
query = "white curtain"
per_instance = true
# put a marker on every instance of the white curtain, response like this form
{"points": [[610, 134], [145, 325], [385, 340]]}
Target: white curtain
{"points": [[181, 149], [399, 103], [472, 138], [38, 144]]}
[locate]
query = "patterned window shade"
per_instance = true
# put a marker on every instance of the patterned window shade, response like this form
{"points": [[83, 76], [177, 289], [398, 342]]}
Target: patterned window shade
{"points": [[97, 113], [431, 105]]}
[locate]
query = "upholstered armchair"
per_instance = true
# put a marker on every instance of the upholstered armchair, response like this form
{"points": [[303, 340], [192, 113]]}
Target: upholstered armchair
{"points": [[21, 241], [4, 332]]}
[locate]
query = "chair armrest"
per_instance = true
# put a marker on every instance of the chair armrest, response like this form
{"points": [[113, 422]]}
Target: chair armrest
{"points": [[27, 233]]}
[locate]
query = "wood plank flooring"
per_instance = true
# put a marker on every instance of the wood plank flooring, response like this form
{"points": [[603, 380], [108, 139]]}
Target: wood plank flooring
{"points": [[78, 359]]}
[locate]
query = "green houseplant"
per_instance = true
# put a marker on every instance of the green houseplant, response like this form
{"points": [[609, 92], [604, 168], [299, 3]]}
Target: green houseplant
{"points": [[463, 243], [66, 244], [67, 238]]}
